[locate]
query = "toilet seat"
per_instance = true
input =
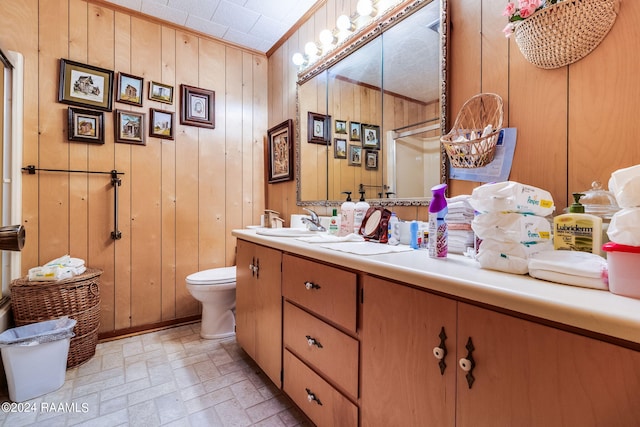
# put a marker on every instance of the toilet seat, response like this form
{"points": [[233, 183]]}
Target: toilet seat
{"points": [[213, 276]]}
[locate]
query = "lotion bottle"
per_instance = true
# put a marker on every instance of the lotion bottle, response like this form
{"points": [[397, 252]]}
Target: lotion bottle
{"points": [[334, 225], [360, 212], [438, 233], [347, 210], [393, 234], [576, 230]]}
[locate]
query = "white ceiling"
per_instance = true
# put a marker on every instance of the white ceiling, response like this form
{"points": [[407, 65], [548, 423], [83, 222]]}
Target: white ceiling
{"points": [[255, 24]]}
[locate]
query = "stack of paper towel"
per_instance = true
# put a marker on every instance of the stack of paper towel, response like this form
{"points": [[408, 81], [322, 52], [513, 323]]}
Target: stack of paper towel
{"points": [[458, 221]]}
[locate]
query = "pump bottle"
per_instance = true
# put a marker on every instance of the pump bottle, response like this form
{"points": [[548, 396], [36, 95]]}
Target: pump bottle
{"points": [[438, 233], [360, 212], [576, 230], [347, 210]]}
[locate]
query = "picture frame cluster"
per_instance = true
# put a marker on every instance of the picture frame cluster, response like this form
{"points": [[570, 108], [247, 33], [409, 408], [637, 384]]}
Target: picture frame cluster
{"points": [[93, 89], [357, 142]]}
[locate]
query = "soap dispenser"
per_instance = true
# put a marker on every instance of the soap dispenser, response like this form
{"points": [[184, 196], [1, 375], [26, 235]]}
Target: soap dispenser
{"points": [[360, 212], [347, 210]]}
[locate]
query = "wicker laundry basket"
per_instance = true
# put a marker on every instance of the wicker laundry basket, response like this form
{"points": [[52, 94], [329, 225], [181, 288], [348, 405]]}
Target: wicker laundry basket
{"points": [[565, 32], [77, 297], [476, 150]]}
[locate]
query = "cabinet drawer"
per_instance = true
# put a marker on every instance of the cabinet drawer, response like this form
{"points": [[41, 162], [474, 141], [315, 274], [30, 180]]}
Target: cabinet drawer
{"points": [[328, 291], [333, 353], [330, 407]]}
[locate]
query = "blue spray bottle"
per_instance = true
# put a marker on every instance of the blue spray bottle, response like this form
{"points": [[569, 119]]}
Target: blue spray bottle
{"points": [[438, 234]]}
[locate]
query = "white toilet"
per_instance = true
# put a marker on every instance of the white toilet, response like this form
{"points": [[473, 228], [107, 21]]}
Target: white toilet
{"points": [[216, 290]]}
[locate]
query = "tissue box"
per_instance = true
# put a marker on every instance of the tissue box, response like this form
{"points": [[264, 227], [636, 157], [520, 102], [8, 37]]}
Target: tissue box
{"points": [[624, 269]]}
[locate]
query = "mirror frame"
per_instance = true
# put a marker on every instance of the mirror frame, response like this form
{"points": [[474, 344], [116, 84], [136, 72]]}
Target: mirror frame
{"points": [[354, 42]]}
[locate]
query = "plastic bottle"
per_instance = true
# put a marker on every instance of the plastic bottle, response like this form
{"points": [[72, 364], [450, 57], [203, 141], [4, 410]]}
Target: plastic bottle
{"points": [[438, 234], [360, 212], [334, 224], [576, 230], [393, 234], [346, 215], [414, 234]]}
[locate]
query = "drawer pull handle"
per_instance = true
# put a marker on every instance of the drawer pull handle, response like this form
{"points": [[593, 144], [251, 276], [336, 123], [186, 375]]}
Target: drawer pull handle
{"points": [[312, 341], [312, 397], [440, 352], [311, 285], [467, 364]]}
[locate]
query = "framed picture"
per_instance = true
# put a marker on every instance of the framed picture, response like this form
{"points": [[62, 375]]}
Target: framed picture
{"points": [[355, 155], [85, 85], [160, 123], [129, 90], [197, 107], [354, 131], [341, 126], [340, 148], [280, 152], [318, 128], [129, 127], [160, 92], [85, 126], [371, 136], [371, 159]]}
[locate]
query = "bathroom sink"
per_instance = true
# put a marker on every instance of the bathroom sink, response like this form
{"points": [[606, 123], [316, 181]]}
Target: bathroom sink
{"points": [[285, 232]]}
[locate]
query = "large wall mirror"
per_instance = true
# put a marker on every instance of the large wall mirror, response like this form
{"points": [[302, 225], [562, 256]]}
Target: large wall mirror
{"points": [[369, 118]]}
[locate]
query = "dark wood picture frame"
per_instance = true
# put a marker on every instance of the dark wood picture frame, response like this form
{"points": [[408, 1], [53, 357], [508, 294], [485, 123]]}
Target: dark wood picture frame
{"points": [[371, 159], [355, 155], [129, 127], [161, 123], [339, 148], [198, 107], [160, 92], [85, 126], [354, 131], [130, 89], [280, 152], [371, 136], [340, 126], [318, 126], [85, 85]]}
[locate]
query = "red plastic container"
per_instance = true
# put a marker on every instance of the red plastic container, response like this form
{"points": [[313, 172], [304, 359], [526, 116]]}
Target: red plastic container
{"points": [[624, 269]]}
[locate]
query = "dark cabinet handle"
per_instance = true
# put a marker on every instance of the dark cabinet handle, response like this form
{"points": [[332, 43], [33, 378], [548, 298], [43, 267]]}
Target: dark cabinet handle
{"points": [[311, 397], [312, 341], [440, 352], [467, 364]]}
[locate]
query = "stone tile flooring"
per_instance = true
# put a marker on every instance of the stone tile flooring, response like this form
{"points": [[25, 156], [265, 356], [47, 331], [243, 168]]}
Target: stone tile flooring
{"points": [[165, 378]]}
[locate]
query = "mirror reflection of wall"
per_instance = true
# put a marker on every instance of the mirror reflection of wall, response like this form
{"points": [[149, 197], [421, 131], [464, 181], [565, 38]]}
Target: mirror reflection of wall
{"points": [[390, 83]]}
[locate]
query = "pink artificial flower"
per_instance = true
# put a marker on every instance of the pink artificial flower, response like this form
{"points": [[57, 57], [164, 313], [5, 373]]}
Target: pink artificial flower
{"points": [[509, 10], [508, 30]]}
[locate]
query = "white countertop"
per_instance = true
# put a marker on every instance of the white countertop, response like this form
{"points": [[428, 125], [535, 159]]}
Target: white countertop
{"points": [[593, 310]]}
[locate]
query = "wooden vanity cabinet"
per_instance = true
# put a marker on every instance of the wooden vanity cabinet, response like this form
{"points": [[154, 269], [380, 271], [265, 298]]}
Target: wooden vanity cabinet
{"points": [[321, 346], [525, 373], [259, 306]]}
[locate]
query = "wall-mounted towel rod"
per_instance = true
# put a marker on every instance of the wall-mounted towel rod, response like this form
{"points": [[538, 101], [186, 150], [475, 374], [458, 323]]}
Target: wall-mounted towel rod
{"points": [[115, 182]]}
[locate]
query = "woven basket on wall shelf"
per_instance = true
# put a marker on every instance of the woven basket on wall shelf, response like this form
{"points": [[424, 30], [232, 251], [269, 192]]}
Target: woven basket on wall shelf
{"points": [[475, 115], [565, 32]]}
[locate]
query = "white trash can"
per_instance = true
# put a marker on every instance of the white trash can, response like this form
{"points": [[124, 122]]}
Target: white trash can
{"points": [[35, 357]]}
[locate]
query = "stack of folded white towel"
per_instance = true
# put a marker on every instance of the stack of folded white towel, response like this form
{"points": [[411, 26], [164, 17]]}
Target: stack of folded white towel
{"points": [[61, 268], [458, 219], [512, 224]]}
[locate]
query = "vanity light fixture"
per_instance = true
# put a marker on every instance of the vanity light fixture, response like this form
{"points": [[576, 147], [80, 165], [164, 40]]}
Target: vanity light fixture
{"points": [[365, 8], [312, 50], [327, 38], [298, 59], [344, 23]]}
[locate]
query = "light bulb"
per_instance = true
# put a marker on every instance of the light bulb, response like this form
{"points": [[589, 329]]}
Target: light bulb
{"points": [[311, 49], [365, 8], [344, 23], [326, 37], [298, 59]]}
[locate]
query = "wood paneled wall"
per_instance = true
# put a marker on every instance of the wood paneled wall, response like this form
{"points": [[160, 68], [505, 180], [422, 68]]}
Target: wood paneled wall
{"points": [[179, 199], [575, 124]]}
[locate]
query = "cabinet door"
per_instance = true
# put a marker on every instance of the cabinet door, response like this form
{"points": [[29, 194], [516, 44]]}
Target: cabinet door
{"points": [[527, 374], [259, 306], [400, 377]]}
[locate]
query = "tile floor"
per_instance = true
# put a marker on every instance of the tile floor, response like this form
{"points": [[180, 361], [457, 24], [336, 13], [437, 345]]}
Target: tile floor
{"points": [[165, 378]]}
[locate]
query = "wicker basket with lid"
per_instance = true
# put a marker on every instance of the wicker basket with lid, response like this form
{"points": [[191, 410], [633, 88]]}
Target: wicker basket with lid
{"points": [[77, 297]]}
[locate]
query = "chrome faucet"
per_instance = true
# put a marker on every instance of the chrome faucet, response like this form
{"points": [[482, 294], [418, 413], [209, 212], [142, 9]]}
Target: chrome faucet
{"points": [[313, 223]]}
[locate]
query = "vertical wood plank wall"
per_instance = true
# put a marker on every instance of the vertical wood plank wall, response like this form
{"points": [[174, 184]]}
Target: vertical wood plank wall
{"points": [[576, 124], [180, 199]]}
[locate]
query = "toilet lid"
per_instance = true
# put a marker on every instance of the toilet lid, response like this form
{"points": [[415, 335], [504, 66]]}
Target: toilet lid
{"points": [[214, 276]]}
